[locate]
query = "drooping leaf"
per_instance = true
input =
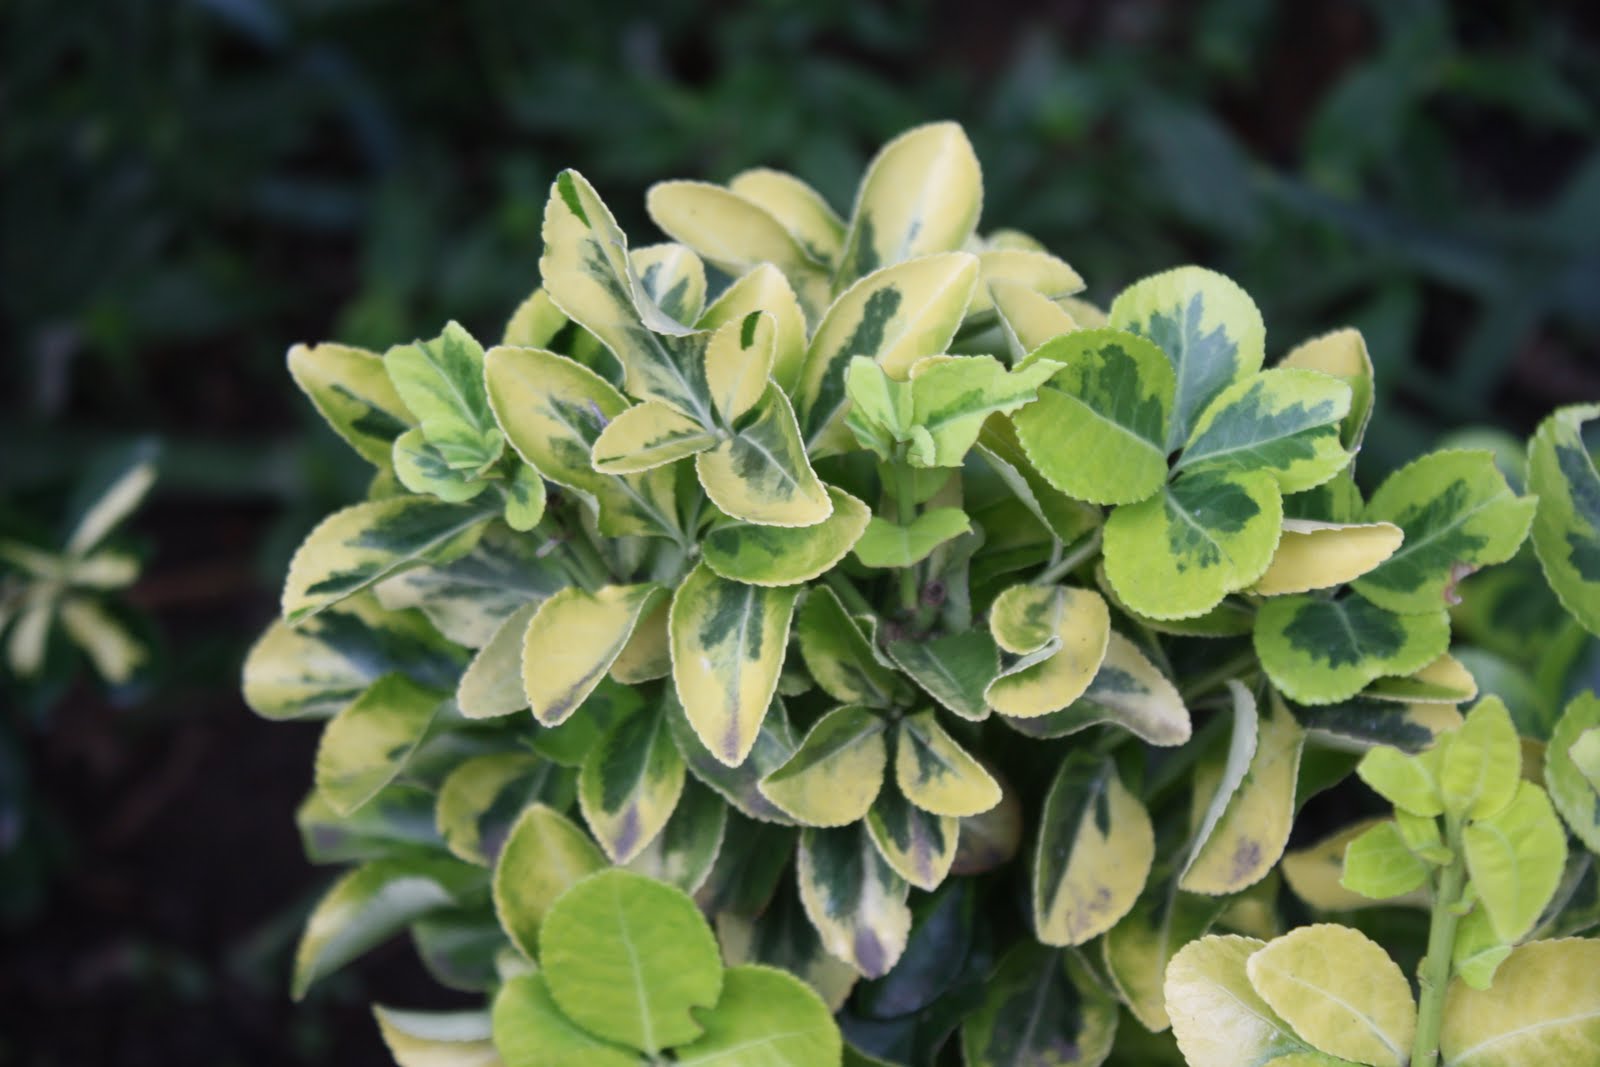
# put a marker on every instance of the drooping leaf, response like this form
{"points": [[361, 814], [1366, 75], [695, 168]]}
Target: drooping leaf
{"points": [[628, 959], [1058, 672], [630, 784], [800, 208], [1321, 651], [739, 785], [545, 854], [683, 853], [895, 316], [1544, 1007], [1138, 950], [835, 773], [369, 905], [367, 744], [441, 383], [437, 1039], [1027, 318], [535, 322], [313, 670], [646, 436], [735, 234], [777, 555], [1217, 1016], [1343, 354], [552, 410], [1247, 840], [366, 543], [918, 845], [1444, 681], [853, 898], [1457, 513], [1127, 691], [765, 1016], [936, 774], [1033, 268], [491, 686], [350, 388], [955, 669], [1515, 858], [1209, 329], [1340, 992], [1282, 421], [1210, 533], [1094, 852], [530, 1030], [1041, 1008], [1566, 527], [1111, 399], [572, 641], [1243, 741], [1574, 781], [728, 645], [921, 194], [889, 544], [761, 474]]}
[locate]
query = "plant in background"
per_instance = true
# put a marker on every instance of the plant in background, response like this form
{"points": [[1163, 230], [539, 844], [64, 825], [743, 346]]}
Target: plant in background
{"points": [[776, 564]]}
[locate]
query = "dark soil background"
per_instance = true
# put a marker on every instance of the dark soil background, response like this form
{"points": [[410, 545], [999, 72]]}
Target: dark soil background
{"points": [[189, 186]]}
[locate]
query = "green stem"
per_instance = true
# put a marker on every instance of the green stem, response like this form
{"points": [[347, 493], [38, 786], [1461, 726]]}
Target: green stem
{"points": [[1433, 975], [905, 510], [1070, 562], [589, 559]]}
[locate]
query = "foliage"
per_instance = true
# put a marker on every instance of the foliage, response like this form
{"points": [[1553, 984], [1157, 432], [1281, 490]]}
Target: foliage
{"points": [[824, 552]]}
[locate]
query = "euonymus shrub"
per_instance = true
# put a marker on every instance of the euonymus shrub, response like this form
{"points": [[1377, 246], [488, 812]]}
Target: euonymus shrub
{"points": [[965, 650]]}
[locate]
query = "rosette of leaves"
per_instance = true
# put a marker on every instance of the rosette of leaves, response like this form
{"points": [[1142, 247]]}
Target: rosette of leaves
{"points": [[775, 563], [56, 596]]}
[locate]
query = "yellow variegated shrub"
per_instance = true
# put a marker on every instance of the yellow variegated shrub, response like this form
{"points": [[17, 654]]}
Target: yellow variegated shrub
{"points": [[809, 562]]}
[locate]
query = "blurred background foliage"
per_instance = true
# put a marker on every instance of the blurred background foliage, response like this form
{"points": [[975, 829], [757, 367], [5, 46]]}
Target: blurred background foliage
{"points": [[189, 186]]}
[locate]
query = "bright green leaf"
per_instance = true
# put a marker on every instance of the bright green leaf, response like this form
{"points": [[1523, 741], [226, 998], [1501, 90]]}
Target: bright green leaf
{"points": [[545, 854], [777, 555], [1515, 858], [1566, 526]]}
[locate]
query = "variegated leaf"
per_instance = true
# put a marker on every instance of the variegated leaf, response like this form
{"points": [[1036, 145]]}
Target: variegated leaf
{"points": [[853, 898], [739, 364], [313, 670], [1249, 834], [366, 543], [441, 383], [839, 656], [1127, 691], [728, 645], [1036, 270], [437, 1039], [895, 316], [399, 819], [1095, 848], [1457, 513], [799, 208], [1566, 527], [1027, 318], [1217, 1016], [735, 234], [1111, 397], [1058, 672], [1137, 951], [1321, 555], [1209, 328], [952, 396], [683, 853], [761, 473], [482, 797], [630, 785], [671, 277], [921, 194], [1343, 354], [955, 669], [648, 653], [552, 411], [765, 289], [757, 554], [782, 936], [350, 388], [1067, 518], [572, 641], [468, 597], [1041, 1006], [524, 498], [1282, 421], [368, 743], [919, 845], [1320, 651], [936, 774], [1572, 771], [535, 323], [1210, 533], [648, 435], [835, 773], [545, 854], [739, 785], [1446, 680]]}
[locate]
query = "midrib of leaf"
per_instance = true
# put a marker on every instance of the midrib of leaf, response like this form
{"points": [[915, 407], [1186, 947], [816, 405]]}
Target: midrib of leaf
{"points": [[1466, 1054], [1128, 431], [734, 1050], [645, 1019], [1352, 1009]]}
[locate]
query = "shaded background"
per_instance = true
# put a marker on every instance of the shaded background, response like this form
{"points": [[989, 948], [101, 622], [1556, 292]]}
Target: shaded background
{"points": [[189, 186]]}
